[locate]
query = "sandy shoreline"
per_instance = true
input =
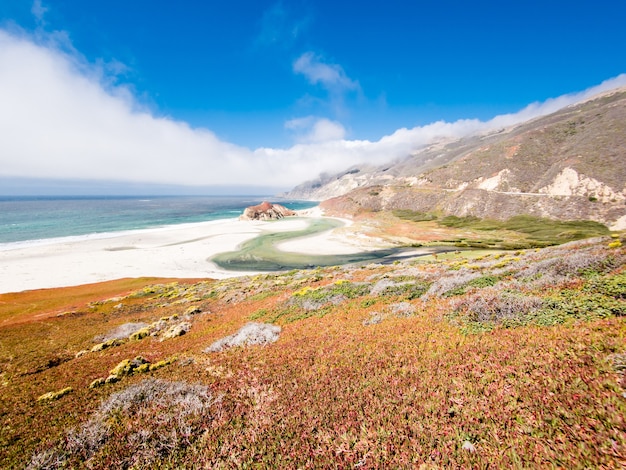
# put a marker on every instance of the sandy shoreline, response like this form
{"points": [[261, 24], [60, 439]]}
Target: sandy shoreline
{"points": [[175, 251]]}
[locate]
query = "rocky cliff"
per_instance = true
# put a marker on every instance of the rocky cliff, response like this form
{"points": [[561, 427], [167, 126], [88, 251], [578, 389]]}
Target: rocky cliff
{"points": [[570, 164], [266, 211]]}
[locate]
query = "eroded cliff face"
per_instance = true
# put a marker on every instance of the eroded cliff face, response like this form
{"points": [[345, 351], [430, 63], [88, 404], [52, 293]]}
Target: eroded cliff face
{"points": [[570, 183], [475, 202], [568, 165], [266, 211]]}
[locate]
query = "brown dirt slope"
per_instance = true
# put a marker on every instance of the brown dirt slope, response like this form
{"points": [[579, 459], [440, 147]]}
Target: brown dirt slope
{"points": [[569, 165]]}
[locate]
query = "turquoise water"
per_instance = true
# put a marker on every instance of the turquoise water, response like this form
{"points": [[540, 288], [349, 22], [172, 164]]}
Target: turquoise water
{"points": [[261, 254], [24, 219]]}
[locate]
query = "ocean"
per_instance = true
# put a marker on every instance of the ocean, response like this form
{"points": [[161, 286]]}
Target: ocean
{"points": [[25, 220]]}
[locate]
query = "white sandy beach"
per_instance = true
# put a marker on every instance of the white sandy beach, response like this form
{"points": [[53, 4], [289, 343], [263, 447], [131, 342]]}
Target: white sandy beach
{"points": [[176, 251]]}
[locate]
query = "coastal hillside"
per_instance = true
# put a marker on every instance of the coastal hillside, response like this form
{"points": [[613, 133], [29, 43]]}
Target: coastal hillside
{"points": [[473, 359], [568, 165]]}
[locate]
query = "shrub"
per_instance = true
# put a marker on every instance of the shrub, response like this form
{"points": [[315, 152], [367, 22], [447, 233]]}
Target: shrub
{"points": [[483, 281], [540, 231], [177, 330], [410, 290], [556, 231], [171, 331], [136, 427], [613, 286], [382, 286], [311, 299], [107, 344], [55, 395], [402, 309], [97, 383], [585, 305], [163, 363], [193, 310], [458, 222], [374, 319], [121, 332], [538, 282], [249, 334], [450, 282], [129, 366], [187, 398], [414, 216], [574, 263], [492, 305], [139, 334]]}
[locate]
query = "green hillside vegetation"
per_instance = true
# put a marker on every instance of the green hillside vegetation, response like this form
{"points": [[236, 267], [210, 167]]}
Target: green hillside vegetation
{"points": [[472, 359], [529, 231]]}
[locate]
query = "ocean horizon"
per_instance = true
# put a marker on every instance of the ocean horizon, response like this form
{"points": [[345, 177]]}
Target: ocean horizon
{"points": [[26, 220]]}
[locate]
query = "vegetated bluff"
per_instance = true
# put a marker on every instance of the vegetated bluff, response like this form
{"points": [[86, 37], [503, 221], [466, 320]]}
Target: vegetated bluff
{"points": [[567, 165]]}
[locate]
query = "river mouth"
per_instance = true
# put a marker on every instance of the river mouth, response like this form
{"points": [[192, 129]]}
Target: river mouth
{"points": [[261, 254]]}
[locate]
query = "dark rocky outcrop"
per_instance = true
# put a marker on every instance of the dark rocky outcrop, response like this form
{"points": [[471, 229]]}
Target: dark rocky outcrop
{"points": [[266, 211]]}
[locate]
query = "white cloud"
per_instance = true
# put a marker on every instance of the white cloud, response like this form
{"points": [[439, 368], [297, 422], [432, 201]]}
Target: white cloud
{"points": [[325, 130], [331, 76], [298, 124], [60, 122], [554, 104], [38, 11], [314, 130], [61, 118]]}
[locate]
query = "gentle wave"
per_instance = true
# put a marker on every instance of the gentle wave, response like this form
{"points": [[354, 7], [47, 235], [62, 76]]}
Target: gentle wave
{"points": [[106, 235], [37, 221]]}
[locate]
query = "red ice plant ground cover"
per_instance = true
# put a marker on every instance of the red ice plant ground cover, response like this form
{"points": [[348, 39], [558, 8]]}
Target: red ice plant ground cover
{"points": [[423, 386]]}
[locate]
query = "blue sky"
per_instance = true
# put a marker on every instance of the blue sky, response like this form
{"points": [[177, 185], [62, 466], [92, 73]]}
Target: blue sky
{"points": [[273, 84]]}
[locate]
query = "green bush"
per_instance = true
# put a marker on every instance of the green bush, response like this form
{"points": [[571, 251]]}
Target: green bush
{"points": [[50, 396], [414, 216], [574, 304], [541, 231], [129, 366], [484, 281], [558, 231], [407, 289], [459, 222], [313, 299], [613, 286]]}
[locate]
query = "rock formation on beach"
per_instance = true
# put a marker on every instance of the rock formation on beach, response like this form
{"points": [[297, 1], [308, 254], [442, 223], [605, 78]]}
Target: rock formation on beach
{"points": [[266, 211]]}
